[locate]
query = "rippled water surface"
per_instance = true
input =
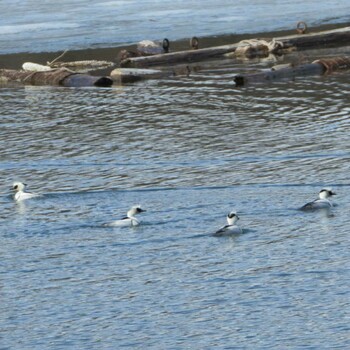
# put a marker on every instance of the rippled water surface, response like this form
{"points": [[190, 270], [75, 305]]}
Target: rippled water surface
{"points": [[188, 150], [59, 25]]}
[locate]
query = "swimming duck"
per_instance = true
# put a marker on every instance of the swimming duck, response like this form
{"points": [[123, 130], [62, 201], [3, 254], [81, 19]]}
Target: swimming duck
{"points": [[322, 202], [130, 219], [20, 194], [231, 227]]}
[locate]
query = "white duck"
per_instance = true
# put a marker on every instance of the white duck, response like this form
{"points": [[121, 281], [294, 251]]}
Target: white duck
{"points": [[322, 202], [20, 195], [231, 228], [130, 219]]}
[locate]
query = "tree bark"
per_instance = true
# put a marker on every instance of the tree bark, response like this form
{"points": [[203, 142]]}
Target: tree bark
{"points": [[319, 67], [61, 77]]}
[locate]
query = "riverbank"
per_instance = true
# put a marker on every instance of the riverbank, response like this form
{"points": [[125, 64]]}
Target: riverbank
{"points": [[15, 61]]}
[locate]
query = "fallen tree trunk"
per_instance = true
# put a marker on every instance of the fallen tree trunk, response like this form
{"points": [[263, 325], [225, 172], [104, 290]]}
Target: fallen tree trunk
{"points": [[318, 67], [332, 38], [288, 72], [83, 66], [79, 66], [131, 75], [177, 57], [62, 77]]}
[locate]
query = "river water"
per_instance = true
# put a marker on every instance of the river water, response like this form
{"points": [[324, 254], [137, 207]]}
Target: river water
{"points": [[189, 150], [30, 26]]}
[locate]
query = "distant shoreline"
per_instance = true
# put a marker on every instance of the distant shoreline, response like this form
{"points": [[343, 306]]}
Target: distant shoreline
{"points": [[15, 60]]}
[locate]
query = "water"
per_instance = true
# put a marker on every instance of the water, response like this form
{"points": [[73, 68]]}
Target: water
{"points": [[188, 150], [27, 26]]}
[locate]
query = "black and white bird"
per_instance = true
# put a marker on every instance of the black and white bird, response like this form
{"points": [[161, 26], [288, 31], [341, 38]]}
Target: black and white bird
{"points": [[21, 194], [129, 219], [231, 228], [322, 202]]}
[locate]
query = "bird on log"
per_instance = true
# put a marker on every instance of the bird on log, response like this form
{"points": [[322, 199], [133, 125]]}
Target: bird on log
{"points": [[146, 48]]}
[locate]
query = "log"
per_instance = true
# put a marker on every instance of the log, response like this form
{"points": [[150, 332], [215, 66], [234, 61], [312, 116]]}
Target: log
{"points": [[131, 75], [79, 66], [330, 38], [83, 66], [83, 80], [178, 57], [62, 77], [288, 72], [317, 67]]}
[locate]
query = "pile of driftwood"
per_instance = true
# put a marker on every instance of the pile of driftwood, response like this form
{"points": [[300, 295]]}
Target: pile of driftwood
{"points": [[62, 77], [318, 67], [69, 74], [138, 65], [331, 38], [255, 48]]}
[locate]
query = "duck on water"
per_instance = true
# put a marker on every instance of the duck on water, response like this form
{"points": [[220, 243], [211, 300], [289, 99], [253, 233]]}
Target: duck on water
{"points": [[129, 219], [20, 193], [322, 202], [231, 228]]}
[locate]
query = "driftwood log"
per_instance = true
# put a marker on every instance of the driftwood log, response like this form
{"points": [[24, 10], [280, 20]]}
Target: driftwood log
{"points": [[62, 77], [131, 75], [187, 56], [330, 38], [318, 67], [79, 66], [83, 66]]}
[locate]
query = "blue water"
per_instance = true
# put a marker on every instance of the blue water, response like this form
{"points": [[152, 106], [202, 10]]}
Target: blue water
{"points": [[46, 26], [189, 151]]}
